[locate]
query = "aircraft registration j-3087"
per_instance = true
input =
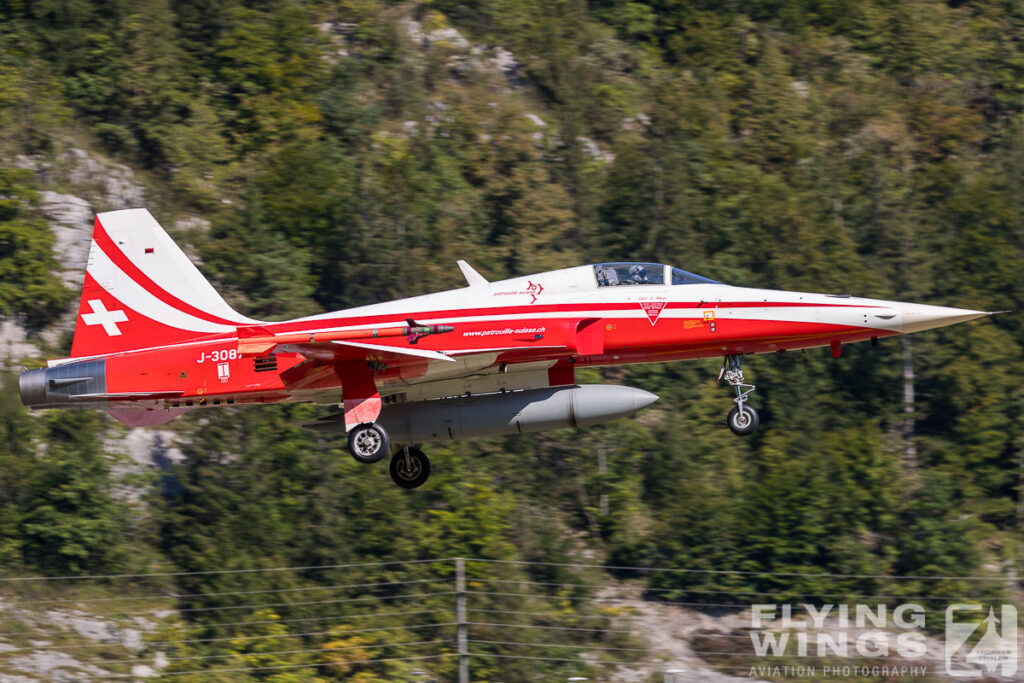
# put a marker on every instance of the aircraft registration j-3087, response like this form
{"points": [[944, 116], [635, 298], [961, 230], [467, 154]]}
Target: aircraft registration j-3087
{"points": [[153, 339]]}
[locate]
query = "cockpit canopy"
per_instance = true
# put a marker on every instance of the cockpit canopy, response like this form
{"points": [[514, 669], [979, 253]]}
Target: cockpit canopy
{"points": [[616, 274]]}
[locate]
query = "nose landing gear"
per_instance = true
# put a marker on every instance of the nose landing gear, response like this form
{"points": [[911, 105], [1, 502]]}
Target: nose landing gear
{"points": [[742, 419]]}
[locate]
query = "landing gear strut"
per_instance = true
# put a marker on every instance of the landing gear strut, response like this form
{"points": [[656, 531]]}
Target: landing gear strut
{"points": [[409, 467], [368, 442], [742, 419]]}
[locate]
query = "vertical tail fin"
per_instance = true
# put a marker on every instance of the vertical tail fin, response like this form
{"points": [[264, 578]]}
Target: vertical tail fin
{"points": [[141, 291]]}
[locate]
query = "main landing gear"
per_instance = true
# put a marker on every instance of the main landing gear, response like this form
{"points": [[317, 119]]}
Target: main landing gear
{"points": [[369, 443], [742, 419], [409, 467]]}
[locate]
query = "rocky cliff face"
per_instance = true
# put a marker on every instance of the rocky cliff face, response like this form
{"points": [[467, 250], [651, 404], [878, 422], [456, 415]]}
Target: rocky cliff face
{"points": [[79, 184]]}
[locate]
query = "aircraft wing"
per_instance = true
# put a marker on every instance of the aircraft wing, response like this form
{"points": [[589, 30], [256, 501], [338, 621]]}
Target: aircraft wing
{"points": [[362, 365]]}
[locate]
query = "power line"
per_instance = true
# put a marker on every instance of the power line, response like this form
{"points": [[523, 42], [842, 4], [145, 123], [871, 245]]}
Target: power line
{"points": [[792, 630], [299, 635], [284, 621], [645, 589], [609, 567], [274, 652], [258, 637], [709, 667], [586, 634], [421, 581], [577, 647], [672, 603], [219, 594], [784, 654], [336, 616], [556, 615], [548, 628], [604, 599], [284, 666], [320, 567], [581, 565], [315, 602], [524, 656]]}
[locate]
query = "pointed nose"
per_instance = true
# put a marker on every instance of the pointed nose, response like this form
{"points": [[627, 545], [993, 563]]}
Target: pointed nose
{"points": [[917, 317], [642, 399]]}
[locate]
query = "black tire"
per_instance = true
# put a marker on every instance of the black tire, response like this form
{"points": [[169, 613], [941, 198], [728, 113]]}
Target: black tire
{"points": [[745, 423], [412, 475], [368, 442]]}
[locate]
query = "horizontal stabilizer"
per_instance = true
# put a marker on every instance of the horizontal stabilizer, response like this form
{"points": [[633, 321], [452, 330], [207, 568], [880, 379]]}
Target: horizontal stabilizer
{"points": [[131, 395]]}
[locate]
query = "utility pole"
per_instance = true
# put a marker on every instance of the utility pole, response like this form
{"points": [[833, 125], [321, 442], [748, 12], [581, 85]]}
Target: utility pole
{"points": [[602, 471], [460, 618], [909, 408]]}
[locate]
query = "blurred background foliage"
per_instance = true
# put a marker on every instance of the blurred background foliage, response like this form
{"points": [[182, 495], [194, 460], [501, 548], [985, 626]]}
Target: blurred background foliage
{"points": [[346, 154]]}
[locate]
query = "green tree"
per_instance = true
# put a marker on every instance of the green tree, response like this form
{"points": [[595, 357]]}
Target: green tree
{"points": [[28, 285], [72, 523]]}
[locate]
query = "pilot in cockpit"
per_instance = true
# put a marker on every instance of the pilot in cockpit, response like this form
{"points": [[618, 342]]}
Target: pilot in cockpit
{"points": [[607, 277], [638, 274]]}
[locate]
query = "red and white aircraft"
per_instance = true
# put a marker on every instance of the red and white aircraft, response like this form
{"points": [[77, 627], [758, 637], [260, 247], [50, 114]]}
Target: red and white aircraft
{"points": [[153, 339]]}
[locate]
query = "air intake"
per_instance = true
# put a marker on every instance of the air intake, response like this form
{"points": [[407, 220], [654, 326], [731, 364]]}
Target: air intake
{"points": [[265, 363]]}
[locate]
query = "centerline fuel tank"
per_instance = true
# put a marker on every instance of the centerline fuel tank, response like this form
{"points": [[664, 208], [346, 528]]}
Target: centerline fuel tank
{"points": [[512, 412]]}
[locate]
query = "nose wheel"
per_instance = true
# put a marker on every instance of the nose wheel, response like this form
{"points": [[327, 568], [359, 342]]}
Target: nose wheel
{"points": [[368, 442], [410, 467], [742, 419]]}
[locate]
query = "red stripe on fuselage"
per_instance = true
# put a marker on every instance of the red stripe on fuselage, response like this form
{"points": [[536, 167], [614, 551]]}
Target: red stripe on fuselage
{"points": [[442, 342]]}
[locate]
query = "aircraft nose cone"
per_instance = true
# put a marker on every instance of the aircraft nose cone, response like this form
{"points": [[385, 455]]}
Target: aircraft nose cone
{"points": [[917, 317]]}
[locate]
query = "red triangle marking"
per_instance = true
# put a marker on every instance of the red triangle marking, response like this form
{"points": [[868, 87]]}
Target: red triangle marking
{"points": [[652, 309]]}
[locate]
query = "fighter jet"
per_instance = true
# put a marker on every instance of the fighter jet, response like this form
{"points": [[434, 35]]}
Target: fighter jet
{"points": [[153, 339]]}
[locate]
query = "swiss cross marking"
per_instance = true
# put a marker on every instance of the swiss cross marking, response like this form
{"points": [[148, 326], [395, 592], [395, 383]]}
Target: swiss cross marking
{"points": [[101, 316]]}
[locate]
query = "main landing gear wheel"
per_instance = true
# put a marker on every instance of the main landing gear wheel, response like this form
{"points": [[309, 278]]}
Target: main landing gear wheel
{"points": [[742, 419], [368, 442], [410, 467]]}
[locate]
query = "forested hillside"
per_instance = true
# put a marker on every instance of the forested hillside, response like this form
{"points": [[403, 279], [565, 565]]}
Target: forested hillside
{"points": [[349, 152]]}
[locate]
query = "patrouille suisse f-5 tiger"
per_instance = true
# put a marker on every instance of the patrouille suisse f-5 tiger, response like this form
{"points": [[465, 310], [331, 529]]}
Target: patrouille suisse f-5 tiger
{"points": [[153, 339]]}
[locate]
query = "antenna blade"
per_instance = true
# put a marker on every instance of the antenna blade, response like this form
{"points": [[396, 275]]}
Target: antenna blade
{"points": [[474, 278]]}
